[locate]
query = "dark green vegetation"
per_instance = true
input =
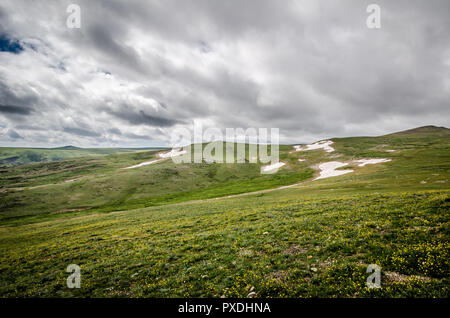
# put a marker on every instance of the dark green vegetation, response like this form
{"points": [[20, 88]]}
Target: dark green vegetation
{"points": [[51, 190], [314, 239], [18, 156]]}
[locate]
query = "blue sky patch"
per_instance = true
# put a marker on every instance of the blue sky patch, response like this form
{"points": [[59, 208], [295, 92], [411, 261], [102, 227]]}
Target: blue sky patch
{"points": [[9, 45]]}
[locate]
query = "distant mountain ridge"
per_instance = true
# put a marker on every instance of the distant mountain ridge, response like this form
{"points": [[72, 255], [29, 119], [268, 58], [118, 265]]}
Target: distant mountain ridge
{"points": [[69, 147], [10, 156], [430, 129]]}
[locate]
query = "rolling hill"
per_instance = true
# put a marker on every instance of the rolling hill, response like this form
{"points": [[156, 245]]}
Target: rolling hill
{"points": [[20, 156], [196, 230]]}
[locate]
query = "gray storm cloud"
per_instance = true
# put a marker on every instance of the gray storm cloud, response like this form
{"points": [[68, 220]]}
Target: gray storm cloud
{"points": [[135, 70]]}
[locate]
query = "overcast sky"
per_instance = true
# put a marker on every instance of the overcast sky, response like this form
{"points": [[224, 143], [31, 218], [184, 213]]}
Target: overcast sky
{"points": [[136, 70]]}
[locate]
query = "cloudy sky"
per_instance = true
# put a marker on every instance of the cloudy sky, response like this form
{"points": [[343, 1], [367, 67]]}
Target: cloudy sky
{"points": [[136, 70]]}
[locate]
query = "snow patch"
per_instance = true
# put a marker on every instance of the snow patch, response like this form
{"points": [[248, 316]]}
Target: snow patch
{"points": [[364, 162], [145, 163], [328, 169], [71, 180], [300, 159], [324, 144], [172, 153], [271, 167]]}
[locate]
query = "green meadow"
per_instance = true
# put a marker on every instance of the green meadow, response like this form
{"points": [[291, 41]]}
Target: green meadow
{"points": [[226, 230], [19, 156]]}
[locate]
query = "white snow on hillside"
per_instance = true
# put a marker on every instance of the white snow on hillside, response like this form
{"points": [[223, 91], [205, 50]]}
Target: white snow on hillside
{"points": [[172, 153], [271, 167], [145, 163], [324, 144], [327, 169], [364, 162]]}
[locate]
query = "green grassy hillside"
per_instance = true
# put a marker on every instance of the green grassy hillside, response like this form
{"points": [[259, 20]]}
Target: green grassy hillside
{"points": [[162, 230], [50, 190], [18, 156]]}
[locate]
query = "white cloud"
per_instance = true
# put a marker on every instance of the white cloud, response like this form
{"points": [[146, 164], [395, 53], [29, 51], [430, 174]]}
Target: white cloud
{"points": [[140, 68]]}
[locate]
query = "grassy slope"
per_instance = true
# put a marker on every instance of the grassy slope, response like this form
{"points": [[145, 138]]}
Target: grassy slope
{"points": [[18, 156], [41, 191], [312, 240]]}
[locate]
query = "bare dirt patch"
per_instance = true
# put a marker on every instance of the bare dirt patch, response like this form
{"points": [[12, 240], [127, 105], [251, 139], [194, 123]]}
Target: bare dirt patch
{"points": [[245, 252], [72, 210], [295, 249], [278, 276], [393, 277]]}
